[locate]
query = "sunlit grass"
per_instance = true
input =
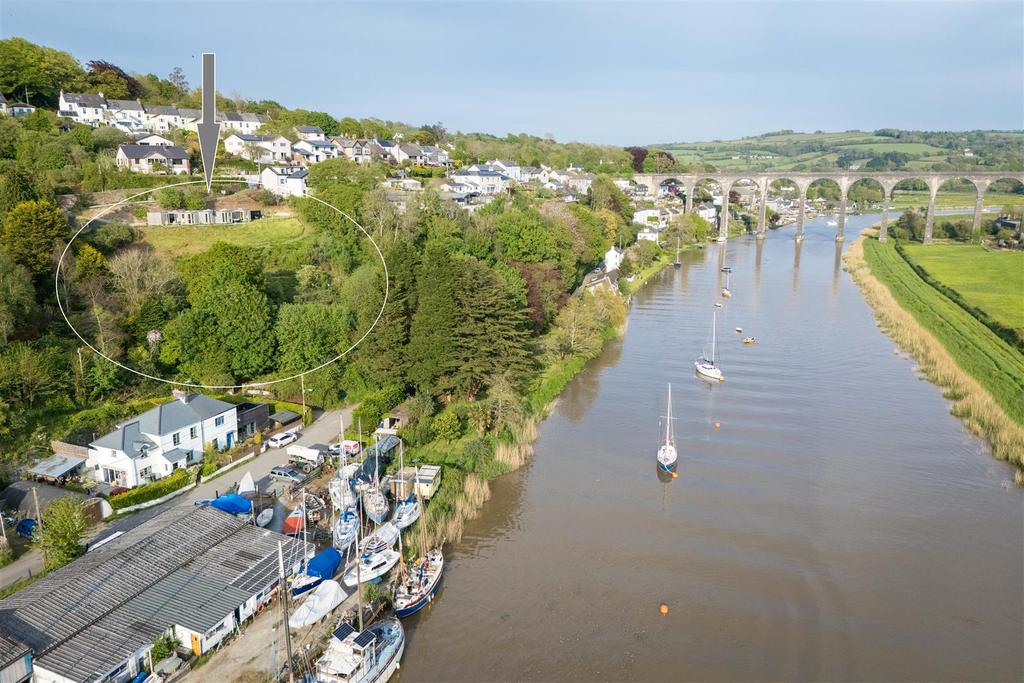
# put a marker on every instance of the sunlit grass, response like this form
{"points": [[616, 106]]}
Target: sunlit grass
{"points": [[175, 241]]}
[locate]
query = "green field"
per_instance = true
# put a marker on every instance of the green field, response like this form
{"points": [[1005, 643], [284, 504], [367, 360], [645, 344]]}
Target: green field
{"points": [[912, 199], [992, 281], [907, 147], [996, 365], [176, 241]]}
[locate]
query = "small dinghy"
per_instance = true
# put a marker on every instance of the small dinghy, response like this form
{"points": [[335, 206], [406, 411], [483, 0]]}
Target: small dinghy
{"points": [[247, 486], [749, 340], [407, 512], [739, 330], [320, 602], [344, 532], [371, 566], [264, 518], [420, 585]]}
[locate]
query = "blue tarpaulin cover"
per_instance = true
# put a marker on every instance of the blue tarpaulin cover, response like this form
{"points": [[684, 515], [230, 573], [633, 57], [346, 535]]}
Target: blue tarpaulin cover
{"points": [[232, 503], [325, 564], [25, 528]]}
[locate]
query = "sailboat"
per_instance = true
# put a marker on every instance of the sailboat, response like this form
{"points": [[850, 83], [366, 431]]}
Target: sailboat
{"points": [[707, 367], [407, 512], [344, 532], [678, 262], [725, 290], [420, 585], [667, 452]]}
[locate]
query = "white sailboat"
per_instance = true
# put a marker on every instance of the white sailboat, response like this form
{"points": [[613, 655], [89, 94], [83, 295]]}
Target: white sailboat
{"points": [[667, 452], [708, 367]]}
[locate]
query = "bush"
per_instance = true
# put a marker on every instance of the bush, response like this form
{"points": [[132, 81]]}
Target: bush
{"points": [[267, 198], [448, 426], [109, 237], [376, 403], [195, 200], [170, 198], [157, 489], [139, 211]]}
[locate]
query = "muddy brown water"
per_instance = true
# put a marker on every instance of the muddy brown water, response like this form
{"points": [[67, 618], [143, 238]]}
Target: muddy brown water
{"points": [[839, 525]]}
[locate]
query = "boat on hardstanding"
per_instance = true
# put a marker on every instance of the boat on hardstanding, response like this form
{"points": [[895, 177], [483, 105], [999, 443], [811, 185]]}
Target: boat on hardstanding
{"points": [[708, 367], [421, 582], [320, 601], [371, 656], [323, 566], [667, 451], [294, 523], [375, 503], [344, 532], [407, 512], [265, 516], [371, 566], [385, 536]]}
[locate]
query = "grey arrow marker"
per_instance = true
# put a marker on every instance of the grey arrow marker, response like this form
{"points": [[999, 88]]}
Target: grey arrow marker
{"points": [[209, 129]]}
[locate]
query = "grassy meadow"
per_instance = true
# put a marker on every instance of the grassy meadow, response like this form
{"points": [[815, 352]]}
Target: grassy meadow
{"points": [[175, 241], [981, 373]]}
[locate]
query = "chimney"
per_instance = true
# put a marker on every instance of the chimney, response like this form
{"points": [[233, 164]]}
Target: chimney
{"points": [[180, 395]]}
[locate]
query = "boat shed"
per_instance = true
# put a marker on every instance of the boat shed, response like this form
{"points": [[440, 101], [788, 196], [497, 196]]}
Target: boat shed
{"points": [[57, 467], [15, 660], [194, 572]]}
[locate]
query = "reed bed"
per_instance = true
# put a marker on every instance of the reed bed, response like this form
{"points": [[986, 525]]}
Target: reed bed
{"points": [[971, 401]]}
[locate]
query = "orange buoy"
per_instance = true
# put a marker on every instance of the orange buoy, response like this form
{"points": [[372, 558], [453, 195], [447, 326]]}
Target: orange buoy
{"points": [[718, 425], [663, 608], [675, 475]]}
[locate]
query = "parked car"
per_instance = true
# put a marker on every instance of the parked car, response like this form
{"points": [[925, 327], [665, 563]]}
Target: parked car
{"points": [[288, 474], [282, 439]]}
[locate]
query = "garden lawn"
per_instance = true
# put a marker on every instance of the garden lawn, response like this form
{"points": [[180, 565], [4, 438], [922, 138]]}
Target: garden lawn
{"points": [[175, 241], [991, 280]]}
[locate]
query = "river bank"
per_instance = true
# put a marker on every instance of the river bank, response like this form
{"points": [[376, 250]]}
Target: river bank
{"points": [[972, 402]]}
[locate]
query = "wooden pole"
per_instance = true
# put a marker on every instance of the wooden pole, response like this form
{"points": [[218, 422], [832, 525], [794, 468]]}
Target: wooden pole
{"points": [[39, 515], [283, 587]]}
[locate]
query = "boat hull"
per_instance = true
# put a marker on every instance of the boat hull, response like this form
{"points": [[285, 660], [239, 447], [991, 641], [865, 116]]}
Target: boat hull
{"points": [[427, 596], [709, 372]]}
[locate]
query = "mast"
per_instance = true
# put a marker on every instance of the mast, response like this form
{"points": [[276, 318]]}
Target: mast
{"points": [[359, 561], [714, 337], [668, 418], [283, 589]]}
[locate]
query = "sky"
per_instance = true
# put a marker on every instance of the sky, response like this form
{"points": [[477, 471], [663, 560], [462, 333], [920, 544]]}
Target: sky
{"points": [[606, 72]]}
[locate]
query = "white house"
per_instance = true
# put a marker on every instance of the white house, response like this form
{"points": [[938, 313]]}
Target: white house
{"points": [[315, 151], [152, 139], [286, 181], [162, 439], [580, 182], [85, 108], [507, 167], [409, 152], [436, 156], [646, 216], [262, 148], [310, 133], [612, 259], [452, 185], [20, 109], [708, 212], [408, 184], [483, 181], [160, 118], [126, 115], [241, 123], [648, 234], [153, 158]]}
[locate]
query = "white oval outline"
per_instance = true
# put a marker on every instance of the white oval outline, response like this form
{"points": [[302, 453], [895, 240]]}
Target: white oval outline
{"points": [[60, 263]]}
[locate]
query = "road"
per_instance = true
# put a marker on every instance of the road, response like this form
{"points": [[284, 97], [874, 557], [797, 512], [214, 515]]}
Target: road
{"points": [[323, 430]]}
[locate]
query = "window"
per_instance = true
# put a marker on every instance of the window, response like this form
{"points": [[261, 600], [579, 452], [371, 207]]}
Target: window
{"points": [[217, 422], [145, 472], [191, 432], [176, 438]]}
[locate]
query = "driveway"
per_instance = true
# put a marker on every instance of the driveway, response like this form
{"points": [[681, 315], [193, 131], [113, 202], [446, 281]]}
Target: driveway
{"points": [[324, 429]]}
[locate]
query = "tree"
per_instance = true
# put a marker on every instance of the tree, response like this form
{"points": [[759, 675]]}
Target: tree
{"points": [[434, 323], [384, 354], [604, 194], [31, 232], [139, 274], [89, 261], [170, 198], [37, 73], [195, 200], [448, 426], [62, 527], [17, 185], [17, 298], [29, 373], [308, 335]]}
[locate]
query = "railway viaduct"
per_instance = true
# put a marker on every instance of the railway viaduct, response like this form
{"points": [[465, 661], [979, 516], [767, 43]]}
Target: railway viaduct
{"points": [[844, 179]]}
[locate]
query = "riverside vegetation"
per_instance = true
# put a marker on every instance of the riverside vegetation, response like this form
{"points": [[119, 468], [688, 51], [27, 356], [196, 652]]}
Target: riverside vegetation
{"points": [[979, 371]]}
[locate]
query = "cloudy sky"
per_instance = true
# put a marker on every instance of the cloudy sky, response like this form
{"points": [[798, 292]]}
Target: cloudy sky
{"points": [[620, 73]]}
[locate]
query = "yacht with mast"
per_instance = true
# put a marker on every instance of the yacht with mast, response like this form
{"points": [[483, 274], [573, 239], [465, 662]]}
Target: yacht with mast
{"points": [[708, 366], [667, 452]]}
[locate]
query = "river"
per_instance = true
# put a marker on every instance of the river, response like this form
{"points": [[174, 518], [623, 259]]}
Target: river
{"points": [[840, 524]]}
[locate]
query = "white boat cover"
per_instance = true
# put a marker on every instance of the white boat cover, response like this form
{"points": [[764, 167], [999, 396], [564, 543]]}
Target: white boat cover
{"points": [[247, 486], [341, 492], [319, 603]]}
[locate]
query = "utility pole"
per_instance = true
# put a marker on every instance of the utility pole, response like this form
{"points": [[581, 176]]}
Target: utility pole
{"points": [[283, 587], [39, 515], [302, 380]]}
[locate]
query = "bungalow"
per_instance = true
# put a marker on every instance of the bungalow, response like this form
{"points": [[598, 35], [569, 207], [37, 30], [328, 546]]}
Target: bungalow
{"points": [[457, 187], [286, 181], [19, 109], [153, 158], [264, 149], [162, 439], [648, 234], [409, 184], [85, 108], [310, 133], [242, 122], [202, 217], [414, 154]]}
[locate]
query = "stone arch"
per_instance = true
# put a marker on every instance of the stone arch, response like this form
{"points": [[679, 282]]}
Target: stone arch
{"points": [[994, 194], [746, 191], [705, 196], [866, 191]]}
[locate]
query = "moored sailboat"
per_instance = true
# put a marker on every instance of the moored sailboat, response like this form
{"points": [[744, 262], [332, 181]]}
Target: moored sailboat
{"points": [[708, 367], [667, 452], [420, 585]]}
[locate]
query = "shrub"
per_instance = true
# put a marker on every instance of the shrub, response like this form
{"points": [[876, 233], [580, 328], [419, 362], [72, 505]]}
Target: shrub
{"points": [[157, 489], [195, 200], [267, 198], [170, 198], [376, 403], [448, 426]]}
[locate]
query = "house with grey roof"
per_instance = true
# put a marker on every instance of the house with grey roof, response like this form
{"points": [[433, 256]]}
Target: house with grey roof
{"points": [[161, 118], [153, 158], [241, 122], [157, 442], [85, 108], [285, 181], [264, 149], [310, 133]]}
